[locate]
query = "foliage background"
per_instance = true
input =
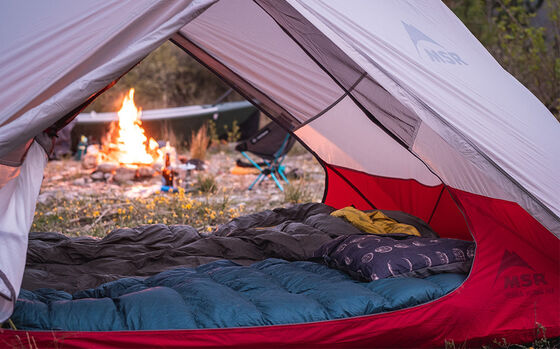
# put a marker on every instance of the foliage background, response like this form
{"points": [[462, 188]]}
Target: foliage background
{"points": [[167, 78], [523, 36]]}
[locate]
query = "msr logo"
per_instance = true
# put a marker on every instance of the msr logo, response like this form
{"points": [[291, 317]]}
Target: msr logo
{"points": [[530, 278], [427, 48]]}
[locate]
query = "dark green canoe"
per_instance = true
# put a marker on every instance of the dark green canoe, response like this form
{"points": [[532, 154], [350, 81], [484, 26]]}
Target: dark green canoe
{"points": [[158, 123]]}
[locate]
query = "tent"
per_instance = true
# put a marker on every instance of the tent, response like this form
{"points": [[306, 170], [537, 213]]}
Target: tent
{"points": [[401, 104]]}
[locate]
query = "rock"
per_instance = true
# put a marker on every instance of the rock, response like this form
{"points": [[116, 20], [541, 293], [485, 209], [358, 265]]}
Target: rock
{"points": [[97, 176], [92, 149], [45, 198], [89, 161], [197, 163], [79, 181], [296, 173], [146, 172], [107, 167], [124, 174], [108, 176]]}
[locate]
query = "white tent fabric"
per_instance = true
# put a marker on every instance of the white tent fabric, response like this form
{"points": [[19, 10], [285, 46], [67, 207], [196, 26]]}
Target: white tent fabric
{"points": [[51, 62], [457, 90], [277, 66], [336, 148], [65, 51], [322, 68], [18, 197], [460, 87]]}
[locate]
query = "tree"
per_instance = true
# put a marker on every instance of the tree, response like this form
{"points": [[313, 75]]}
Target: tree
{"points": [[168, 77]]}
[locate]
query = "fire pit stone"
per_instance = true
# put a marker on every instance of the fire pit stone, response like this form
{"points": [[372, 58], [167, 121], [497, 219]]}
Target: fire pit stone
{"points": [[89, 161], [107, 167], [124, 174], [146, 172], [97, 176]]}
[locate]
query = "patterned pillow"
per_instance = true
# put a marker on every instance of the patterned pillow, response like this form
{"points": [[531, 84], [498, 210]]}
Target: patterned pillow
{"points": [[369, 257]]}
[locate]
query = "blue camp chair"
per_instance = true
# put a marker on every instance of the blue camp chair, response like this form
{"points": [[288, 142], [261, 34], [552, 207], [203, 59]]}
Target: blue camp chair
{"points": [[271, 144]]}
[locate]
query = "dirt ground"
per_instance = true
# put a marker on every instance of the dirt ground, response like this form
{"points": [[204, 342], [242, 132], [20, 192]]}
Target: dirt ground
{"points": [[72, 202]]}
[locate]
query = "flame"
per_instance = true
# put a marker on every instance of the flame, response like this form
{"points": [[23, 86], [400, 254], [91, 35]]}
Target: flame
{"points": [[131, 146]]}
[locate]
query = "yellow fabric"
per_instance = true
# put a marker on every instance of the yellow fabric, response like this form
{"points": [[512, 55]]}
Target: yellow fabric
{"points": [[374, 222], [237, 170]]}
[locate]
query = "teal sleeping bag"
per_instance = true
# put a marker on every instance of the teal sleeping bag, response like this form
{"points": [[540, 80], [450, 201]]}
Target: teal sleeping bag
{"points": [[225, 294]]}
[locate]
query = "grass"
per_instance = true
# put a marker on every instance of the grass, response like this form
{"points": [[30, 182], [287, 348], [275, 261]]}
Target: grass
{"points": [[297, 192], [94, 216], [199, 143], [213, 133], [540, 342], [233, 135], [206, 184]]}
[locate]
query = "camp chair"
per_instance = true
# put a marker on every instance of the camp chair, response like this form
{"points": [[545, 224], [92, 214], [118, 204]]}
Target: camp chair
{"points": [[271, 144]]}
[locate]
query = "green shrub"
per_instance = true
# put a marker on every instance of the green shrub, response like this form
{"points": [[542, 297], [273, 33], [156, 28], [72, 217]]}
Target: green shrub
{"points": [[234, 134], [297, 192], [206, 183], [213, 133]]}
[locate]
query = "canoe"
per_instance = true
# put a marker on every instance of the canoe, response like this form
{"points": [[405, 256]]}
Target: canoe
{"points": [[181, 121]]}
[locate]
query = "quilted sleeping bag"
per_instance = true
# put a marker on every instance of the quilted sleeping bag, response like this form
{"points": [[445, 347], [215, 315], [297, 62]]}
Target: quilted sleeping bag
{"points": [[225, 294]]}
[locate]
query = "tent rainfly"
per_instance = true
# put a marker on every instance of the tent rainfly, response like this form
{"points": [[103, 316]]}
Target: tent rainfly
{"points": [[399, 102]]}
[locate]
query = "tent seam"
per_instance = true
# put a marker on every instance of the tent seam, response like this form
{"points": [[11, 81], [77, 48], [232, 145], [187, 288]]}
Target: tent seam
{"points": [[334, 103]]}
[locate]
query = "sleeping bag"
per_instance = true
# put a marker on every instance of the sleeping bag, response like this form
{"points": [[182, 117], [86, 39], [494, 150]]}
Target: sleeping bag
{"points": [[224, 294], [267, 268]]}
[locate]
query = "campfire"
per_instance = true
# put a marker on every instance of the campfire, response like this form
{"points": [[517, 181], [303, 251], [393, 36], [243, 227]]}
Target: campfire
{"points": [[126, 153], [126, 142]]}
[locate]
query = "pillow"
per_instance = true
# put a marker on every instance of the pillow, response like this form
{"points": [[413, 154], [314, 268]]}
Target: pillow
{"points": [[369, 257]]}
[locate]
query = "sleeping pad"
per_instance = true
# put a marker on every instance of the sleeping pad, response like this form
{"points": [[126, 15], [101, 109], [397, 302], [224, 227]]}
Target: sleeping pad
{"points": [[224, 294]]}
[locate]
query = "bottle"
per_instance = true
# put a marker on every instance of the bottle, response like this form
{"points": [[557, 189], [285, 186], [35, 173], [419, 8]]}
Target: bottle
{"points": [[82, 148], [167, 173]]}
